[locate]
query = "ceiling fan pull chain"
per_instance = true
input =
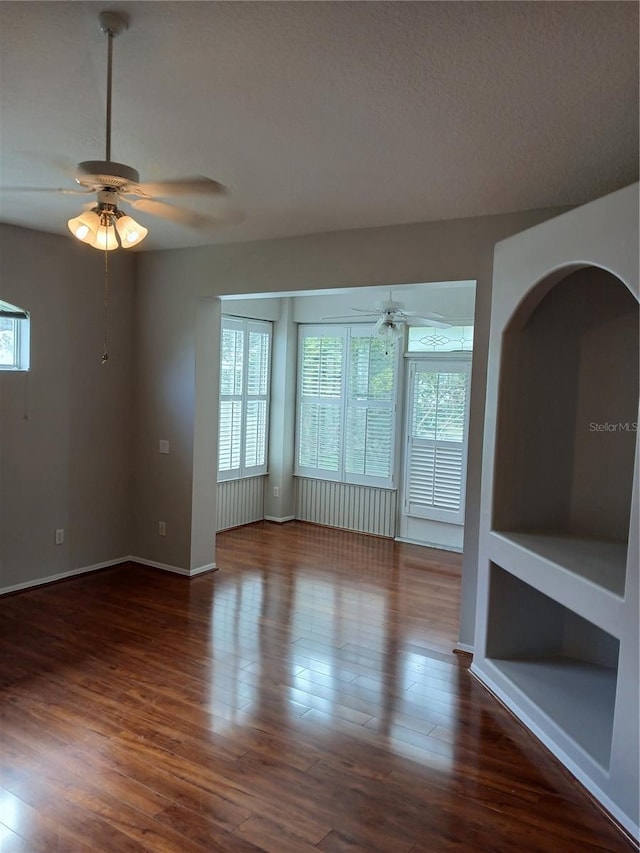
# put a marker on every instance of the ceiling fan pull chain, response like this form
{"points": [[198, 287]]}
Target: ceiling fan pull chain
{"points": [[105, 354]]}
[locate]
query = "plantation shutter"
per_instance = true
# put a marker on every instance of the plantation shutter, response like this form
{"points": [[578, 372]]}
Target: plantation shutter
{"points": [[258, 362], [369, 435], [245, 352], [346, 405], [231, 387], [438, 408], [321, 387]]}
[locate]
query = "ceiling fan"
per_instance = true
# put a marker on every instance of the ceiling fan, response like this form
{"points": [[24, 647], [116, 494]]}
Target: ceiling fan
{"points": [[103, 224], [391, 317]]}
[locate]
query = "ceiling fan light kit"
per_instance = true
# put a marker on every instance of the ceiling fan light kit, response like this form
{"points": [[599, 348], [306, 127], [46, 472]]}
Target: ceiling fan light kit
{"points": [[386, 327], [105, 227]]}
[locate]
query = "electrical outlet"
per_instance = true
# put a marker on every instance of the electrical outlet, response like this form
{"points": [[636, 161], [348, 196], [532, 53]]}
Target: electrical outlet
{"points": [[60, 536], [162, 528], [276, 492], [163, 445]]}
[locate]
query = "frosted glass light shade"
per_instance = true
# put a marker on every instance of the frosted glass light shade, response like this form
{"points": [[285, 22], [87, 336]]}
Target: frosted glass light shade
{"points": [[131, 232], [105, 238], [386, 329], [85, 226], [98, 229]]}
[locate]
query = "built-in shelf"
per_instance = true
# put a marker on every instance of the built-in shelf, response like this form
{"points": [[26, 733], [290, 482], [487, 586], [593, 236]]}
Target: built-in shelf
{"points": [[563, 663], [578, 697], [601, 561], [557, 614]]}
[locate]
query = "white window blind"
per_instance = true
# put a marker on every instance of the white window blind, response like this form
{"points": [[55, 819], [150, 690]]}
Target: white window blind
{"points": [[245, 365], [435, 462], [346, 405]]}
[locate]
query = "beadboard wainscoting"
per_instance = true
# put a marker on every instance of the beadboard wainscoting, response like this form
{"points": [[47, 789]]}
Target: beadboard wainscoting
{"points": [[360, 508], [240, 502]]}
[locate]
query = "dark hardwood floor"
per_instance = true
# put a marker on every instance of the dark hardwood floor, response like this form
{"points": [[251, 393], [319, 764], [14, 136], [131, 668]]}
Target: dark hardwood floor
{"points": [[305, 697]]}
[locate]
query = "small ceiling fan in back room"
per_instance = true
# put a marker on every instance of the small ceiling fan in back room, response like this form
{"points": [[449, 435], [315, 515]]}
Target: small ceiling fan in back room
{"points": [[103, 224], [391, 317]]}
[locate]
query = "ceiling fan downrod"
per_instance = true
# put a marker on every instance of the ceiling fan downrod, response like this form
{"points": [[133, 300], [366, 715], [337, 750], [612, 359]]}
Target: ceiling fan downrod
{"points": [[111, 24]]}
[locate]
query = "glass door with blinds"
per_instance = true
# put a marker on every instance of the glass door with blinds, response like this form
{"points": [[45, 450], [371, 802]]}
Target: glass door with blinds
{"points": [[436, 437]]}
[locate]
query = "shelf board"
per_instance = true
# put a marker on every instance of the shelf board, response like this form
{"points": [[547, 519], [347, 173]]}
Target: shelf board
{"points": [[601, 561], [578, 697]]}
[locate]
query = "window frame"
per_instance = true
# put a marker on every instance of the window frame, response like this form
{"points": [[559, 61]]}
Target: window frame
{"points": [[21, 327], [458, 362], [346, 332], [246, 326]]}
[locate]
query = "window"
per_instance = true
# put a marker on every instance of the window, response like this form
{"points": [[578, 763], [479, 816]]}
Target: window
{"points": [[14, 337], [437, 431], [346, 405], [245, 367], [453, 339]]}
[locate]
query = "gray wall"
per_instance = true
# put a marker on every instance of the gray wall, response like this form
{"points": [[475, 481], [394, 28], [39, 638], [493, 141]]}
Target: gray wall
{"points": [[65, 426], [87, 459], [169, 285]]}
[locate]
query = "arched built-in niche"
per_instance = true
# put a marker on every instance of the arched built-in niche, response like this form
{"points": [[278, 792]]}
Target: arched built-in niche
{"points": [[568, 406], [558, 586]]}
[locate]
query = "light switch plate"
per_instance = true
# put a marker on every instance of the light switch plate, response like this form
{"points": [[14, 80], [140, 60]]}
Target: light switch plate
{"points": [[164, 445]]}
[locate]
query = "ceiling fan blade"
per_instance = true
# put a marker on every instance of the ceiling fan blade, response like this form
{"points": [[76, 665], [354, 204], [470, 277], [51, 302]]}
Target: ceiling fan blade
{"points": [[346, 317], [414, 320], [179, 186], [44, 190], [428, 315], [180, 214]]}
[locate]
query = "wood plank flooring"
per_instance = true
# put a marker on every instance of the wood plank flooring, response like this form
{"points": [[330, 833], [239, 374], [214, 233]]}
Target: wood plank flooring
{"points": [[305, 697]]}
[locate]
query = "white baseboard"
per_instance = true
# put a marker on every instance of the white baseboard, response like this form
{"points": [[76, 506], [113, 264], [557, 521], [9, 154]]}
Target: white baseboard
{"points": [[176, 570], [107, 564], [437, 545], [201, 570], [83, 570], [280, 520]]}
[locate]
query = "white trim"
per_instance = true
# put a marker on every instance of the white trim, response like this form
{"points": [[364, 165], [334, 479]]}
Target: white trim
{"points": [[201, 570], [465, 647], [107, 564], [21, 337], [63, 575], [280, 520], [437, 545], [374, 291], [176, 570], [165, 567], [555, 750]]}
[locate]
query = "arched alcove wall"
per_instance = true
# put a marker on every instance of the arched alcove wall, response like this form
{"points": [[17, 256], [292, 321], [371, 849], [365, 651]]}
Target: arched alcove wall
{"points": [[568, 407]]}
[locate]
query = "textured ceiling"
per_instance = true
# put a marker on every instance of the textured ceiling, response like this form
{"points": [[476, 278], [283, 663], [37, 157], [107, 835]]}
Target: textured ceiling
{"points": [[324, 116]]}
